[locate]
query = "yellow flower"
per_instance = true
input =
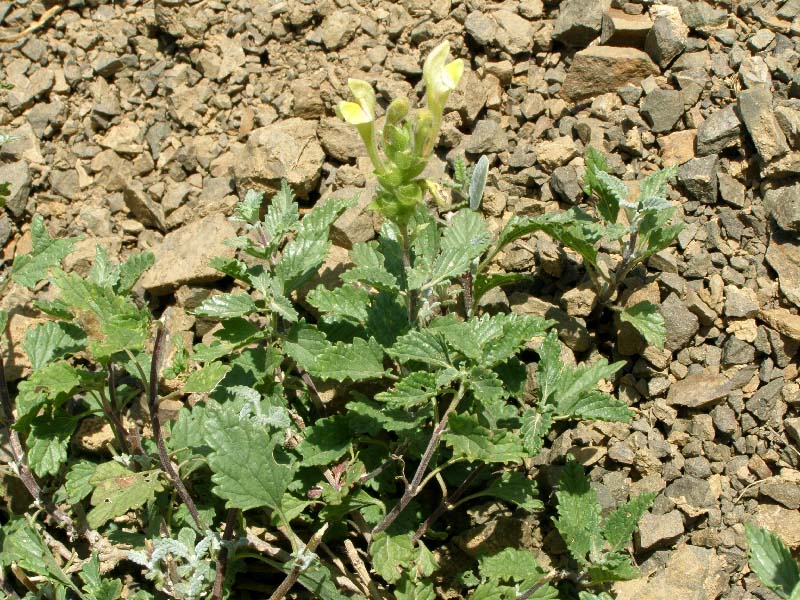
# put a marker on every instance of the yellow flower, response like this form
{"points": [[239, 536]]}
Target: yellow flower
{"points": [[363, 109], [441, 77]]}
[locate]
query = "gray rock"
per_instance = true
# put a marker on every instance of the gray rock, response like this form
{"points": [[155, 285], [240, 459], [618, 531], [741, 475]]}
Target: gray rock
{"points": [[5, 229], [621, 29], [182, 20], [665, 41], [480, 27], [783, 255], [148, 212], [659, 530], [662, 109], [579, 21], [356, 223], [699, 390], [285, 150], [702, 16], [181, 260], [602, 69], [766, 404], [792, 428], [720, 130], [761, 39], [740, 303], [107, 64], [65, 183], [338, 28], [731, 191], [692, 495], [782, 491], [340, 140], [789, 120], [680, 322], [487, 137], [783, 205], [755, 109], [571, 331], [699, 178], [513, 34], [724, 419], [18, 176], [565, 184], [737, 352]]}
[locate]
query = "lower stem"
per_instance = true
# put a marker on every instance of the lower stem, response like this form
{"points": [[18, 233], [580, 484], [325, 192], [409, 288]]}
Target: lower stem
{"points": [[222, 558], [294, 574], [411, 297]]}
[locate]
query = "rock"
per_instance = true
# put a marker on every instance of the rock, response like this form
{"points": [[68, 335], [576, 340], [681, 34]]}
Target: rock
{"points": [[146, 210], [356, 223], [755, 109], [338, 28], [340, 140], [702, 16], [699, 390], [666, 39], [724, 419], [658, 530], [792, 428], [602, 69], [731, 191], [783, 205], [789, 120], [754, 73], [181, 260], [5, 229], [783, 255], [487, 137], [677, 148], [579, 21], [285, 150], [783, 522], [107, 64], [184, 20], [737, 352], [565, 184], [783, 321], [555, 153], [18, 176], [662, 109], [766, 404], [65, 183], [740, 303], [783, 491], [699, 178], [692, 495], [570, 330], [621, 29], [680, 322], [500, 29], [722, 129], [691, 573], [579, 301], [470, 97], [82, 258]]}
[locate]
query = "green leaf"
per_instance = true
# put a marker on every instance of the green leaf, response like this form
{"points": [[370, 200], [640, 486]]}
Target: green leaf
{"points": [[29, 269], [535, 426], [206, 379], [56, 378], [345, 303], [97, 587], [621, 523], [595, 162], [486, 282], [370, 268], [325, 441], [51, 340], [282, 214], [771, 560], [103, 272], [655, 185], [510, 564], [22, 544], [596, 405], [118, 490], [515, 488], [472, 441], [305, 344], [391, 555], [416, 388], [422, 346], [47, 443], [76, 484], [478, 183], [357, 361], [611, 192], [492, 590], [613, 566], [226, 306], [578, 513], [132, 269], [648, 321], [406, 589], [3, 321], [246, 472], [467, 229], [249, 210]]}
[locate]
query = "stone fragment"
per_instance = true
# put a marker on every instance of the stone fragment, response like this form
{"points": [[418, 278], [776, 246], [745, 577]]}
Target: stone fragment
{"points": [[65, 183], [618, 28], [691, 573], [731, 191], [500, 29], [184, 20], [285, 150], [579, 301], [754, 73], [703, 17], [570, 330], [107, 64], [722, 129], [565, 184], [338, 28], [783, 321], [18, 176], [662, 109], [740, 303], [579, 21], [487, 137], [555, 153], [603, 69], [699, 178], [783, 255], [146, 210], [783, 491], [724, 419], [677, 148], [737, 352], [699, 390], [356, 223], [783, 522], [340, 140], [783, 205], [761, 39], [180, 259], [666, 39], [789, 120], [659, 530], [755, 108]]}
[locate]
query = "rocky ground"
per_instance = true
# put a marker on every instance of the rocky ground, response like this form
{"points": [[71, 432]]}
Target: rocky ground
{"points": [[142, 123]]}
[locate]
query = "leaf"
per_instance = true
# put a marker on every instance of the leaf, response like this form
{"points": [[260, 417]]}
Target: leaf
{"points": [[226, 306], [406, 589], [611, 192], [510, 564], [94, 585], [648, 321], [21, 543], [118, 490], [472, 441], [206, 379], [416, 388], [76, 484], [51, 340], [29, 269], [47, 443], [621, 523], [246, 472], [483, 283], [771, 560], [132, 269], [515, 488], [325, 441], [305, 344], [422, 346], [282, 214], [578, 513], [572, 391], [515, 331], [357, 361], [347, 302], [613, 567], [595, 162], [3, 321], [391, 555], [478, 183], [103, 272], [370, 268], [535, 426], [466, 230], [492, 590], [249, 210], [655, 185], [597, 405]]}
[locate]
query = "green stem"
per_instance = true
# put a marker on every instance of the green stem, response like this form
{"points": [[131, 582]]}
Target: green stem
{"points": [[411, 296]]}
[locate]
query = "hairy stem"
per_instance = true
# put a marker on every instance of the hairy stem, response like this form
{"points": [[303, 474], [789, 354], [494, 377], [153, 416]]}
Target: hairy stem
{"points": [[155, 421], [467, 285], [294, 574], [411, 296], [110, 407], [446, 504], [413, 488], [222, 558]]}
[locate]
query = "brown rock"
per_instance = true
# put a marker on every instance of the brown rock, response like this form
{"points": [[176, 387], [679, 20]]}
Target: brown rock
{"points": [[570, 330], [602, 69], [699, 390], [783, 255], [782, 321], [783, 522], [755, 108], [621, 29], [677, 148]]}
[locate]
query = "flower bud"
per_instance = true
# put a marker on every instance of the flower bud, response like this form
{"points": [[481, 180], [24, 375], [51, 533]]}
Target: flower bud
{"points": [[397, 111]]}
